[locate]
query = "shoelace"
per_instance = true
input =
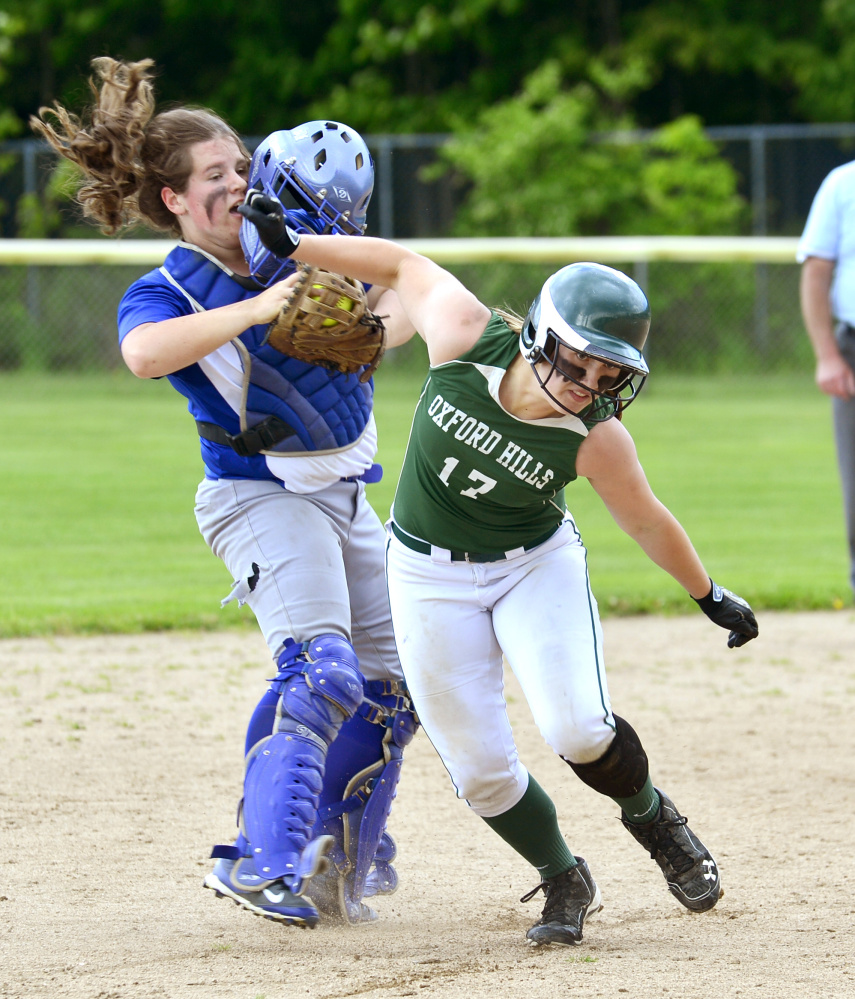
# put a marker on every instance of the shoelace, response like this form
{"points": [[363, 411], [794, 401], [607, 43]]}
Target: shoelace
{"points": [[555, 902], [529, 895], [663, 841]]}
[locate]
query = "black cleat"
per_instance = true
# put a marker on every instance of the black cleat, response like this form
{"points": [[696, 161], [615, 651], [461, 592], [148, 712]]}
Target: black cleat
{"points": [[688, 866], [570, 898]]}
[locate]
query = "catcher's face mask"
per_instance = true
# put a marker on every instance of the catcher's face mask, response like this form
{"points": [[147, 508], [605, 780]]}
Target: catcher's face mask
{"points": [[322, 175]]}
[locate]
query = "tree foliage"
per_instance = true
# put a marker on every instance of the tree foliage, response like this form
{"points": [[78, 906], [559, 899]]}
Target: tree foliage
{"points": [[529, 89], [534, 169], [407, 65], [10, 28]]}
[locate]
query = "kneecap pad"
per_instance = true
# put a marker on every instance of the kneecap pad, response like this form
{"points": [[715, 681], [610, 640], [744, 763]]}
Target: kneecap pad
{"points": [[622, 769]]}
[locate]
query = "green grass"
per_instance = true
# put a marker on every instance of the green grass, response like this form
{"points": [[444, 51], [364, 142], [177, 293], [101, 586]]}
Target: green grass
{"points": [[749, 470], [99, 472]]}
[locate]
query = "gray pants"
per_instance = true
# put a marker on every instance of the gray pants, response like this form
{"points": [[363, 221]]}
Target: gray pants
{"points": [[844, 436], [321, 563]]}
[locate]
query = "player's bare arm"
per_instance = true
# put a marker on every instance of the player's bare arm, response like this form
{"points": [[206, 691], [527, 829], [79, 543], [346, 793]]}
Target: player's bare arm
{"points": [[608, 459], [833, 374], [156, 349], [385, 303], [446, 314], [454, 320]]}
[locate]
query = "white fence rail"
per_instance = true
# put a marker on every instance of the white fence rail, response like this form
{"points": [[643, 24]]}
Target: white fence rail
{"points": [[606, 249], [719, 303]]}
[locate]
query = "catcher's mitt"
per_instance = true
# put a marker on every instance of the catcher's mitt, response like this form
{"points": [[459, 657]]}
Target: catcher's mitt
{"points": [[326, 322]]}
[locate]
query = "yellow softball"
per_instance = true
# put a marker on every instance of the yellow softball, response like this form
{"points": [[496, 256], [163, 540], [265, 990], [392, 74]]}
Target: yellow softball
{"points": [[343, 303]]}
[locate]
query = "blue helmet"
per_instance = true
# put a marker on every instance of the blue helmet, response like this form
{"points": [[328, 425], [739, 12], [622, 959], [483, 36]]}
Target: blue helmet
{"points": [[323, 176]]}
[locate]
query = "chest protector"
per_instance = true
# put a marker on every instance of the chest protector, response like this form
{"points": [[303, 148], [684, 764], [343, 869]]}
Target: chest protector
{"points": [[327, 410]]}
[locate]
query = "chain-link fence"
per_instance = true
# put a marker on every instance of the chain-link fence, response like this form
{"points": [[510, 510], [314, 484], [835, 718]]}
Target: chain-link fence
{"points": [[707, 316], [61, 318], [779, 167], [728, 317]]}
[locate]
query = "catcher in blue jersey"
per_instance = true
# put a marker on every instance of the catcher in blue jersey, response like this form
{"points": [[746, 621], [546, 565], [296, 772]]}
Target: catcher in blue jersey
{"points": [[484, 560], [287, 447]]}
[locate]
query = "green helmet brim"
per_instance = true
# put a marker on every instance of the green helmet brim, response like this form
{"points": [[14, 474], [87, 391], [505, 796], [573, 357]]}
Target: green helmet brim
{"points": [[608, 348]]}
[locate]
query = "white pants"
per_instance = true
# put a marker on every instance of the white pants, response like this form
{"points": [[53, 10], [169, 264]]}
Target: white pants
{"points": [[454, 621], [320, 559]]}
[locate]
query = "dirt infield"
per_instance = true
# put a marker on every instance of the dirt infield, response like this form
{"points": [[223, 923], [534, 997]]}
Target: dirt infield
{"points": [[122, 766]]}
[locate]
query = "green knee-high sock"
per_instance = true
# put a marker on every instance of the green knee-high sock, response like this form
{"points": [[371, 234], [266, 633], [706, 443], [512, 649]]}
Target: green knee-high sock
{"points": [[642, 807], [531, 828]]}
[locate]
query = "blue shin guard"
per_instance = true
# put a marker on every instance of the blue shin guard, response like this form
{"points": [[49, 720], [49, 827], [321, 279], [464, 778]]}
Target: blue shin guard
{"points": [[362, 773], [319, 686]]}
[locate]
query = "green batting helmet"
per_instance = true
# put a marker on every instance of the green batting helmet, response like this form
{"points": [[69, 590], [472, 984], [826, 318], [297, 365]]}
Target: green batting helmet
{"points": [[597, 311]]}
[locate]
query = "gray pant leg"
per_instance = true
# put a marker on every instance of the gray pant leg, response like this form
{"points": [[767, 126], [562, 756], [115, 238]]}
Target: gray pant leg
{"points": [[371, 618], [320, 559], [843, 411]]}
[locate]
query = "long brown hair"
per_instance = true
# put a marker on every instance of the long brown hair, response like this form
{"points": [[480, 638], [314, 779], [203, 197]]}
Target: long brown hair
{"points": [[126, 153]]}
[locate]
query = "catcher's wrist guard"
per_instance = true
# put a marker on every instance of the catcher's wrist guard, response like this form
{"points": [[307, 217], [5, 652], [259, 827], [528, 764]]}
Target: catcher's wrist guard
{"points": [[727, 610], [326, 322]]}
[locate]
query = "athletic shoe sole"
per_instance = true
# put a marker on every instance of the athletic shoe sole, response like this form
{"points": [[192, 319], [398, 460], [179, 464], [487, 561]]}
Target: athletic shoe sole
{"points": [[255, 903], [562, 941]]}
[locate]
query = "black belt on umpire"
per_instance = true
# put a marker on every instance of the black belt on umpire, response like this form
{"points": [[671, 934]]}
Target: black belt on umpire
{"points": [[417, 545], [247, 443]]}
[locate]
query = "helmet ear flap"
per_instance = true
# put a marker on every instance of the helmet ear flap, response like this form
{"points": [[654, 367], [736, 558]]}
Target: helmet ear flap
{"points": [[529, 346]]}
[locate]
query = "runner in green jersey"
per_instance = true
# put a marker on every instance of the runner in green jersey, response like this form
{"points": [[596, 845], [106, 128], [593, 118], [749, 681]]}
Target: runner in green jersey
{"points": [[481, 546]]}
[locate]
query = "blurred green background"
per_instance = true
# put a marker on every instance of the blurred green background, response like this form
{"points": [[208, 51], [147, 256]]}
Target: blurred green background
{"points": [[99, 473], [658, 117]]}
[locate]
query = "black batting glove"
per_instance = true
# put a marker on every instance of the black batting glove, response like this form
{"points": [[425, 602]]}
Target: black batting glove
{"points": [[267, 216], [727, 610]]}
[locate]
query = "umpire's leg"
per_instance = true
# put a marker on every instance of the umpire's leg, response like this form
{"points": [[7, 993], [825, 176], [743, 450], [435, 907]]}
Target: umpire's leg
{"points": [[844, 435]]}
